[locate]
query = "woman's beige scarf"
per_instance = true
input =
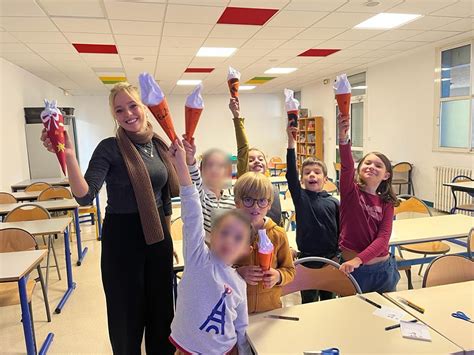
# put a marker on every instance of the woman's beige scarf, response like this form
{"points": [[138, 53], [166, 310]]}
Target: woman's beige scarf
{"points": [[140, 179]]}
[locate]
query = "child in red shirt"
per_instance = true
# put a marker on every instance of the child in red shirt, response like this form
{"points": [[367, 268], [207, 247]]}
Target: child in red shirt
{"points": [[366, 216]]}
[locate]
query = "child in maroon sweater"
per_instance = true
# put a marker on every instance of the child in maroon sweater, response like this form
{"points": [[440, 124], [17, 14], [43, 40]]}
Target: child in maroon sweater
{"points": [[366, 216]]}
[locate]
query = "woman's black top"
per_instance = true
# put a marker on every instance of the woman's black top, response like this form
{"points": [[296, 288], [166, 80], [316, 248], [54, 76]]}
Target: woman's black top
{"points": [[107, 165]]}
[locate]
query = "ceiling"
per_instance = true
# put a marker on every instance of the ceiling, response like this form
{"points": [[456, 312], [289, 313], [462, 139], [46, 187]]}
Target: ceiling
{"points": [[38, 35]]}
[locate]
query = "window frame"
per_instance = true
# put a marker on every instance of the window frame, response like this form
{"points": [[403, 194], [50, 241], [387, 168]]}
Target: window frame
{"points": [[438, 100]]}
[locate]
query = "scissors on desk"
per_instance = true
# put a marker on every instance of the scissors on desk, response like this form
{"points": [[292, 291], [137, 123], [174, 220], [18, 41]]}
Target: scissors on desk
{"points": [[462, 315]]}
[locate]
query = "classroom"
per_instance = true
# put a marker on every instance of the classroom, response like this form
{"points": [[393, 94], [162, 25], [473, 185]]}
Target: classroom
{"points": [[215, 177]]}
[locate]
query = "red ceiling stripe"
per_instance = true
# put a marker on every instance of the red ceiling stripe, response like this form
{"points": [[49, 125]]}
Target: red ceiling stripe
{"points": [[246, 16], [318, 52], [95, 48], [199, 70]]}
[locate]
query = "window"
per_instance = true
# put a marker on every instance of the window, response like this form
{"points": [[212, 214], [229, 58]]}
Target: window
{"points": [[455, 118], [356, 133]]}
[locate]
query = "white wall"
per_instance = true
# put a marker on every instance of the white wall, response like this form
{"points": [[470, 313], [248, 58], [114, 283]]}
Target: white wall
{"points": [[400, 112], [265, 123], [19, 89]]}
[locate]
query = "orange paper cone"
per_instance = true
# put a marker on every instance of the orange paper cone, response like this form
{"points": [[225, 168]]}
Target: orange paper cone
{"points": [[293, 120], [163, 116], [265, 260], [344, 103], [191, 116], [234, 87]]}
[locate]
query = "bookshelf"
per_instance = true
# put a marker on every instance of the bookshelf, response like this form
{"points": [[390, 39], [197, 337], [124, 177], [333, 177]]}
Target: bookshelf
{"points": [[309, 139]]}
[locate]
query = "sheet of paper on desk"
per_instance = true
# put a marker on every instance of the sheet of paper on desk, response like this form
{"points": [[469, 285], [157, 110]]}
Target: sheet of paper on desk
{"points": [[390, 313], [416, 331]]}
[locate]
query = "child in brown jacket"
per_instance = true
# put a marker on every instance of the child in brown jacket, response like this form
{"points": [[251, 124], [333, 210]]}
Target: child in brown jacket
{"points": [[254, 195]]}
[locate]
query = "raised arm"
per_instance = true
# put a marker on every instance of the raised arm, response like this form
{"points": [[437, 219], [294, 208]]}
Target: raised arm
{"points": [[347, 184], [241, 137], [193, 169], [291, 169]]}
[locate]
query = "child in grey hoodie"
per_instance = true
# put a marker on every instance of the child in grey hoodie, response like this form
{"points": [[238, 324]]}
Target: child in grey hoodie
{"points": [[211, 311]]}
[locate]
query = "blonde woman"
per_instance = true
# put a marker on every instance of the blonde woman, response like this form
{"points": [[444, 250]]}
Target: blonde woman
{"points": [[137, 250]]}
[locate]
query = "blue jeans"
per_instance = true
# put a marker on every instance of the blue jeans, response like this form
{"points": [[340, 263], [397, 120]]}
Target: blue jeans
{"points": [[379, 277]]}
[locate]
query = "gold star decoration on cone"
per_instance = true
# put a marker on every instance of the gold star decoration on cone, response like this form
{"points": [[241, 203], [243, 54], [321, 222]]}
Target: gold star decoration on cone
{"points": [[61, 147]]}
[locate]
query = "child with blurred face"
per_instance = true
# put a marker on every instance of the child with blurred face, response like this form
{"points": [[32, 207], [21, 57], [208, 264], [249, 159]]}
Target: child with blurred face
{"points": [[209, 276], [210, 181], [254, 195]]}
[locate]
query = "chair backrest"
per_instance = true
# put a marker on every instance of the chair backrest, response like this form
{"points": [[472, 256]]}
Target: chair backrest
{"points": [[37, 186], [16, 239], [470, 244], [55, 193], [27, 212], [177, 229], [6, 197], [275, 160], [402, 167], [327, 278], [462, 178], [448, 269], [412, 204], [337, 166], [330, 187]]}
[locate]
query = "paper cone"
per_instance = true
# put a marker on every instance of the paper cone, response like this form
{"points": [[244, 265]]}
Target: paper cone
{"points": [[54, 124], [191, 116], [162, 114], [344, 103], [293, 120], [265, 260], [234, 87]]}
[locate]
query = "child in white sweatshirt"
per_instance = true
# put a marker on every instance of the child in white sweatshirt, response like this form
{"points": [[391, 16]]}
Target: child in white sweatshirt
{"points": [[211, 311]]}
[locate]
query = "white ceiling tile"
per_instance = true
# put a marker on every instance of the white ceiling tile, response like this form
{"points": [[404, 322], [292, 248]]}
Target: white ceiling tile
{"points": [[299, 61], [70, 57], [278, 32], [358, 35], [129, 59], [193, 14], [40, 37], [109, 59], [224, 42], [52, 48], [263, 43], [421, 7], [178, 51], [430, 36], [6, 37], [206, 62], [166, 59], [89, 25], [428, 23], [381, 53], [372, 44], [181, 42], [137, 50], [251, 52], [283, 52], [91, 38], [186, 30], [19, 57], [349, 53], [20, 8], [319, 33], [459, 25], [27, 24], [404, 46], [242, 61], [134, 40], [360, 6], [198, 2], [14, 47], [396, 35], [290, 18], [78, 8], [136, 27], [315, 5], [335, 44], [462, 8], [342, 20], [233, 31], [268, 4], [121, 10]]}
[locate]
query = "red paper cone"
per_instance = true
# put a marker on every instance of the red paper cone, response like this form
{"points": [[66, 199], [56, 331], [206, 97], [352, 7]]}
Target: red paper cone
{"points": [[265, 260], [54, 125], [191, 116], [234, 87], [344, 103], [293, 120], [162, 114]]}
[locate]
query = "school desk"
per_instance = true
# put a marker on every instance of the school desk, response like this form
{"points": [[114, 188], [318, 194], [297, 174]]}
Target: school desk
{"points": [[439, 303], [56, 205], [16, 267], [45, 227], [26, 196], [345, 323], [465, 186]]}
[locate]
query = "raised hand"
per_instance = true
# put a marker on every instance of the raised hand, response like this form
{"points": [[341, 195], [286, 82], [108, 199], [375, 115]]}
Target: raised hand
{"points": [[234, 107], [190, 149], [177, 156], [344, 124], [69, 148], [291, 133]]}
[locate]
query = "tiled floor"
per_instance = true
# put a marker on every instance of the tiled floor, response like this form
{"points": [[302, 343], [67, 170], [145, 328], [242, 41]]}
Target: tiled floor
{"points": [[81, 328]]}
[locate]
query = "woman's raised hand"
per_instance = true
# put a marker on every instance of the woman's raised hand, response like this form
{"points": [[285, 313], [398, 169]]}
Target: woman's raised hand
{"points": [[190, 149], [49, 146]]}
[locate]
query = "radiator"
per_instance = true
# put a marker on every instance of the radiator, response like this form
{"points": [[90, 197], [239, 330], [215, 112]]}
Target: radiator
{"points": [[443, 197]]}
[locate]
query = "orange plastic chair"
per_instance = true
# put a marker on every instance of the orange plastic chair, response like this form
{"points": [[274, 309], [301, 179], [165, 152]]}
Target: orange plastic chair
{"points": [[177, 229], [6, 197], [448, 269], [330, 187], [37, 186], [55, 193], [404, 168], [470, 244]]}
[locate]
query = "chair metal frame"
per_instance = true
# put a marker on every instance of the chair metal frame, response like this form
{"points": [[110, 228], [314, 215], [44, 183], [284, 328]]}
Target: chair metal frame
{"points": [[408, 182], [453, 192], [470, 244]]}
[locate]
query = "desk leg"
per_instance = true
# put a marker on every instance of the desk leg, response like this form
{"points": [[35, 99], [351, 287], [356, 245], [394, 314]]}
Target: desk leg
{"points": [[99, 216], [81, 253], [26, 318], [71, 285]]}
